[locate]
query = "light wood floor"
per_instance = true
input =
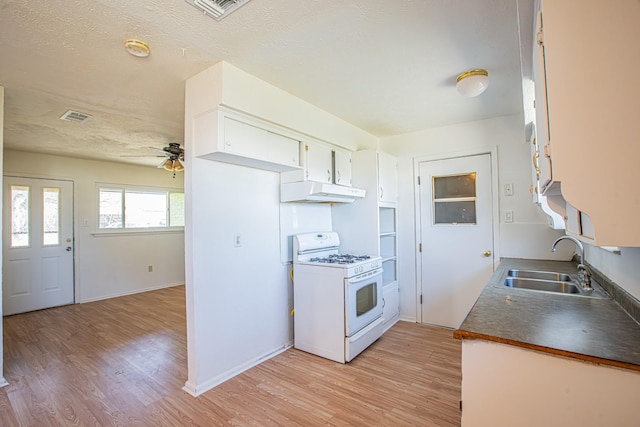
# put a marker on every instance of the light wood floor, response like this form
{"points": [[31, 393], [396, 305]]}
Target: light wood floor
{"points": [[122, 362]]}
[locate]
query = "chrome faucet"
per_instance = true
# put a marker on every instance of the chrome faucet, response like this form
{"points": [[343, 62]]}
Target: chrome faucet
{"points": [[584, 274]]}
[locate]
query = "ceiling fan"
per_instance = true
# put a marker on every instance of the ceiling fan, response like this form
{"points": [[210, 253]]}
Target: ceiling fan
{"points": [[173, 157]]}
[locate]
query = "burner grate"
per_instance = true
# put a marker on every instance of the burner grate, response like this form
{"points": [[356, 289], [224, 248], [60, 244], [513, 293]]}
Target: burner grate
{"points": [[341, 259]]}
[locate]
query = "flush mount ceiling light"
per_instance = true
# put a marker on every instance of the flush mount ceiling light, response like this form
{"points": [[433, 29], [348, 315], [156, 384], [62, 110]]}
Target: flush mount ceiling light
{"points": [[472, 83], [137, 48], [217, 9]]}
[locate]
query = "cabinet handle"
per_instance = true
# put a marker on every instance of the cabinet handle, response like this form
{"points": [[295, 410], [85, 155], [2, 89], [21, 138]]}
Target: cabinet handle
{"points": [[487, 253], [339, 178], [381, 192], [328, 175]]}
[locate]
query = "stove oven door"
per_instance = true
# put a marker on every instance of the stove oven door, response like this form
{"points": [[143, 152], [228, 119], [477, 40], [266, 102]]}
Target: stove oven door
{"points": [[363, 300]]}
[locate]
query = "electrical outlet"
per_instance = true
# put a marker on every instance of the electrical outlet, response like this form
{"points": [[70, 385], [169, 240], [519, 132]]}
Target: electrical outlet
{"points": [[508, 216], [150, 268]]}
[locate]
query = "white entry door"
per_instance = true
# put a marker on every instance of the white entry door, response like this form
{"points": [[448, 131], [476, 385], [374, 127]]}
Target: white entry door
{"points": [[456, 229], [37, 243]]}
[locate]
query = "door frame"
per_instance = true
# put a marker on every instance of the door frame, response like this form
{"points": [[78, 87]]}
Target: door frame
{"points": [[495, 220], [76, 291]]}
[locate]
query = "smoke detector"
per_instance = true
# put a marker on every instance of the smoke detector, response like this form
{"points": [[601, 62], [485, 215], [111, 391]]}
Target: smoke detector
{"points": [[217, 9], [75, 116]]}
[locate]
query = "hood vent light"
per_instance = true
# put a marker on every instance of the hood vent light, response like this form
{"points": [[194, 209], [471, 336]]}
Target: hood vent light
{"points": [[75, 116], [217, 9]]}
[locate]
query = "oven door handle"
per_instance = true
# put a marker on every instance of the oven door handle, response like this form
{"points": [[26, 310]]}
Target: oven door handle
{"points": [[366, 276]]}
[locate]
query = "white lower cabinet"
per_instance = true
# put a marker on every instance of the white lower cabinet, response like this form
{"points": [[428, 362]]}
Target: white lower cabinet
{"points": [[390, 305]]}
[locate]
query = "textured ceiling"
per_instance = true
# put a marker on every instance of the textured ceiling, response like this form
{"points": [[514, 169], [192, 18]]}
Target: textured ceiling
{"points": [[386, 67]]}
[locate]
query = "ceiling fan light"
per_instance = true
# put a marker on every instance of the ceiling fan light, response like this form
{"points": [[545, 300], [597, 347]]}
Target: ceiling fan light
{"points": [[178, 166], [168, 165], [472, 83]]}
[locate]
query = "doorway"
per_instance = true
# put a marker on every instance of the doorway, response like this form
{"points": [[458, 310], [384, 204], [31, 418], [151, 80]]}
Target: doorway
{"points": [[457, 236], [37, 241]]}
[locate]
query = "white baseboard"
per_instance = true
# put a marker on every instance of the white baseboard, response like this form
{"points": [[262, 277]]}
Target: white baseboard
{"points": [[408, 319], [197, 389], [136, 291]]}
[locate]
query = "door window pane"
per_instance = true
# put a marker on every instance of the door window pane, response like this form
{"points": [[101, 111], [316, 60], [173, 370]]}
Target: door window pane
{"points": [[145, 210], [19, 216], [454, 199], [50, 216], [110, 208], [176, 209], [454, 186], [455, 212]]}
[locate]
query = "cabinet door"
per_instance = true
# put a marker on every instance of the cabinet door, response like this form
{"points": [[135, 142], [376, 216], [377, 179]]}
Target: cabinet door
{"points": [[543, 129], [387, 178], [253, 142], [318, 163], [391, 304], [342, 167]]}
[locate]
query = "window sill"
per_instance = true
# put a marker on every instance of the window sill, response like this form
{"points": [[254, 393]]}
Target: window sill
{"points": [[138, 232]]}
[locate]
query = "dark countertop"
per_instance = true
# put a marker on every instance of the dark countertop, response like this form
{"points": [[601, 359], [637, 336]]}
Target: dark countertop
{"points": [[590, 329]]}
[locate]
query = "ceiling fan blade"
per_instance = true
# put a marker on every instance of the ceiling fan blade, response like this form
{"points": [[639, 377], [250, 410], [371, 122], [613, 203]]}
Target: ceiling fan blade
{"points": [[139, 155]]}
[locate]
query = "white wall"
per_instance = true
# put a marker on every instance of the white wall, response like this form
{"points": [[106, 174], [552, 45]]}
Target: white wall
{"points": [[109, 266], [527, 237], [3, 382], [623, 269]]}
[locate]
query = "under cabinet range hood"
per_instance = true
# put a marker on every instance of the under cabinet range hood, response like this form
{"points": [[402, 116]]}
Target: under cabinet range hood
{"points": [[318, 192]]}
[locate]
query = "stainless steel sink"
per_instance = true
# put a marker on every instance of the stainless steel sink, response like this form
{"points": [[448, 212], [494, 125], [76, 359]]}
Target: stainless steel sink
{"points": [[542, 275], [563, 287], [560, 287]]}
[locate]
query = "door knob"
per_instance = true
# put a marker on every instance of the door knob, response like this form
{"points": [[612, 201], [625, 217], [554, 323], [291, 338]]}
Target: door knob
{"points": [[487, 253], [68, 249]]}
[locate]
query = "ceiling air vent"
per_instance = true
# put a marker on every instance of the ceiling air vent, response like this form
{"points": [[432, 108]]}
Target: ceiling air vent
{"points": [[217, 9], [75, 116]]}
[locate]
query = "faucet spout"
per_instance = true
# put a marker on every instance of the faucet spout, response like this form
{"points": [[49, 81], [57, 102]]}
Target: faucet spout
{"points": [[574, 240], [584, 274]]}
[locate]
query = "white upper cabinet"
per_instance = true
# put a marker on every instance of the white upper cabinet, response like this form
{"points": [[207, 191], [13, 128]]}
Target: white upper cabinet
{"points": [[342, 167], [232, 137], [387, 178], [542, 156], [318, 162], [585, 55]]}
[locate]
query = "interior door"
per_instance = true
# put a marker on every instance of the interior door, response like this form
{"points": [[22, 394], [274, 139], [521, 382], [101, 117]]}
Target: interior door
{"points": [[37, 244], [456, 234]]}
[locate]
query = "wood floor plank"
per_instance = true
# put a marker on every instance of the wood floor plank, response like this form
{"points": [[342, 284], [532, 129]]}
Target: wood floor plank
{"points": [[123, 362]]}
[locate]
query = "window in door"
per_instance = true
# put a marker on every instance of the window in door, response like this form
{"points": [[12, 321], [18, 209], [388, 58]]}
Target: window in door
{"points": [[454, 199], [50, 216], [20, 216]]}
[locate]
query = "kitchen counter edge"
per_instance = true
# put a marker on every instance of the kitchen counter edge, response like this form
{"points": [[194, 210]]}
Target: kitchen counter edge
{"points": [[475, 327]]}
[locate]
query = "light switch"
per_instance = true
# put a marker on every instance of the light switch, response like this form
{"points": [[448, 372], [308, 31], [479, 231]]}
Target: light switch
{"points": [[508, 216], [508, 189], [237, 242]]}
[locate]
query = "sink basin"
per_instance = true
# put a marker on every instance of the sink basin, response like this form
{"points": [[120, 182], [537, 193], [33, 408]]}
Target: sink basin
{"points": [[542, 275], [560, 287], [553, 286]]}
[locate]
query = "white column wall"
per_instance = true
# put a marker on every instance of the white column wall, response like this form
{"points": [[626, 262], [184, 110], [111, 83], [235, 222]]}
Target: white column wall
{"points": [[3, 382], [239, 298], [527, 237]]}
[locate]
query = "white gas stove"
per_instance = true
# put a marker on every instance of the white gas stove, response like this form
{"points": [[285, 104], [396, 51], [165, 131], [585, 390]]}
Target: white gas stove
{"points": [[337, 297], [323, 249]]}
